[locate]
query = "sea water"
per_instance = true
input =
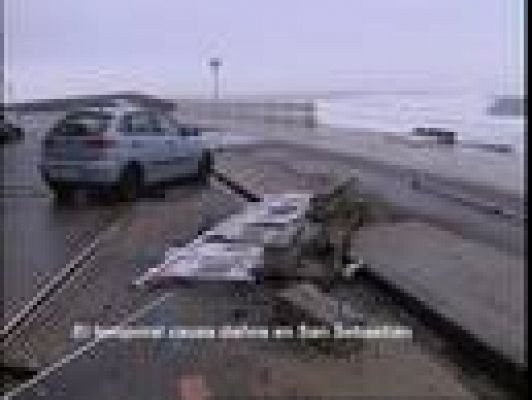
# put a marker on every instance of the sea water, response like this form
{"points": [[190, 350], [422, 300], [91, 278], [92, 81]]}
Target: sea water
{"points": [[401, 112]]}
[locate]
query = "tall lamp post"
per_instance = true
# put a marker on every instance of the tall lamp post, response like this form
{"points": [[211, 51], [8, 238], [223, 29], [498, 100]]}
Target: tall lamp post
{"points": [[215, 63], [10, 97], [11, 100]]}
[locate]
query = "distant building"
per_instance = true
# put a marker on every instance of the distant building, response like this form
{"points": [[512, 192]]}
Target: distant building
{"points": [[507, 106], [71, 103]]}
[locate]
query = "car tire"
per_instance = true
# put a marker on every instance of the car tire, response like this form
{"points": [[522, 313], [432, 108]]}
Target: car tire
{"points": [[63, 194], [205, 167], [18, 135], [130, 184]]}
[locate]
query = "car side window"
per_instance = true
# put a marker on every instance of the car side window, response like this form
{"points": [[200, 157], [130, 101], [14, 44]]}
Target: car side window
{"points": [[141, 123], [169, 125], [155, 124], [173, 128]]}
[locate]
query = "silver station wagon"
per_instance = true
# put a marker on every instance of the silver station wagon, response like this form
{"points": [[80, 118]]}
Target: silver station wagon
{"points": [[122, 149]]}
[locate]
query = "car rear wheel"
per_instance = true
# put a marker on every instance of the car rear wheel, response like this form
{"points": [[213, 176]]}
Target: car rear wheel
{"points": [[205, 167], [62, 193], [130, 184]]}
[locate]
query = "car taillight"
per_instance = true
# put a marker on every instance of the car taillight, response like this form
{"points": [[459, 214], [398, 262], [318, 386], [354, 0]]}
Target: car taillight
{"points": [[99, 141]]}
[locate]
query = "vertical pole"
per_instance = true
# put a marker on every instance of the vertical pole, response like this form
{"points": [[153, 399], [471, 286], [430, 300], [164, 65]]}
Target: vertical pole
{"points": [[215, 63], [216, 82], [9, 92]]}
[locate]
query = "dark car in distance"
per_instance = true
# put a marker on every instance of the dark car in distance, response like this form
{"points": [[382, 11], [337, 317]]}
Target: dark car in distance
{"points": [[10, 133]]}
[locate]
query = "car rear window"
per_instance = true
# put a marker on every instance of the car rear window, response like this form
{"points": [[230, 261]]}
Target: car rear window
{"points": [[215, 238], [82, 124]]}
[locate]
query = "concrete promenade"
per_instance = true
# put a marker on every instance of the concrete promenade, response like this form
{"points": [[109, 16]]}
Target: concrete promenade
{"points": [[492, 176], [464, 278], [476, 287]]}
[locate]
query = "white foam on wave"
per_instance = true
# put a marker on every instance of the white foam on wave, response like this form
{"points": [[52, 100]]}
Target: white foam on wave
{"points": [[400, 113]]}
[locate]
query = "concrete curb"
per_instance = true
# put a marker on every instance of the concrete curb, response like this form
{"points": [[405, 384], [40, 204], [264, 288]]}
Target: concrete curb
{"points": [[468, 350]]}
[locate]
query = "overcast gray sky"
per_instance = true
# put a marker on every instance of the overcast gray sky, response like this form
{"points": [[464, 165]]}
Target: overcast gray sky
{"points": [[58, 47]]}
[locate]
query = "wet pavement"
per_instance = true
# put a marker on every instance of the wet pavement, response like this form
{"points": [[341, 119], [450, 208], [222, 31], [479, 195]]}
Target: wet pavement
{"points": [[255, 368], [40, 237]]}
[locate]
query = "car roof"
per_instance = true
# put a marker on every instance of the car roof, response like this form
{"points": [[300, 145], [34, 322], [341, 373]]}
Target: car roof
{"points": [[115, 111]]}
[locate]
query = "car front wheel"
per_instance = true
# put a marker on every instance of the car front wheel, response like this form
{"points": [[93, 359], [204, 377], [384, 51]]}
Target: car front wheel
{"points": [[130, 184]]}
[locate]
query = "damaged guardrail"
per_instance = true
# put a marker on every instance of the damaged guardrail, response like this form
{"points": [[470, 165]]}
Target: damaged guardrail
{"points": [[298, 241], [277, 238], [248, 246]]}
